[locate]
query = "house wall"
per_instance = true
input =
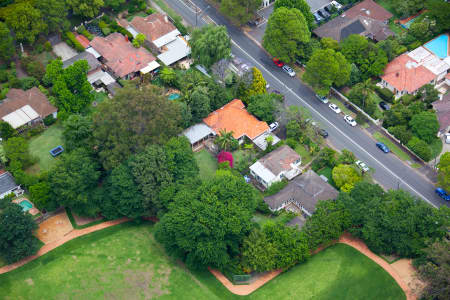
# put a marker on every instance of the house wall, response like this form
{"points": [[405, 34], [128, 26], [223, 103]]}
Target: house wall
{"points": [[9, 192]]}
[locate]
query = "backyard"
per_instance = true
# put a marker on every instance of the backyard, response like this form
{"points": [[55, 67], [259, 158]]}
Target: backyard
{"points": [[42, 144], [125, 262], [207, 164]]}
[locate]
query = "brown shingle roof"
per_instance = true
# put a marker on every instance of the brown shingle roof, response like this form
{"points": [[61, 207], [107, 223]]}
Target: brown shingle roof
{"points": [[442, 108], [234, 117], [279, 159], [120, 55], [153, 26], [369, 8], [33, 97]]}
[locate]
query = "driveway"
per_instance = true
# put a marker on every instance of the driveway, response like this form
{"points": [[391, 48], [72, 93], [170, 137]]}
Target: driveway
{"points": [[64, 51], [258, 32]]}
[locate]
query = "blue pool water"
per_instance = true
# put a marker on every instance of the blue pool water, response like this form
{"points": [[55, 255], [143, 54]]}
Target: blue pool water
{"points": [[174, 96], [26, 205], [439, 46], [408, 24]]}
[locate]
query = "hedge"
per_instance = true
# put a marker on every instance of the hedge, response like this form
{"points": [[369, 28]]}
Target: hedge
{"points": [[385, 94], [72, 41]]}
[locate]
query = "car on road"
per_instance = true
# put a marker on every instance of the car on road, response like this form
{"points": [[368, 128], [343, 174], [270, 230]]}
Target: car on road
{"points": [[334, 108], [443, 194], [364, 168], [273, 126], [277, 62], [350, 120], [289, 70], [447, 138], [323, 133], [322, 98], [384, 105], [383, 147]]}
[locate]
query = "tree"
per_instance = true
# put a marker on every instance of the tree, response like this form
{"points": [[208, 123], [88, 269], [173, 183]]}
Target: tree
{"points": [[263, 106], [7, 49], [206, 225], [33, 67], [168, 76], [225, 140], [210, 44], [85, 8], [444, 171], [420, 147], [40, 196], [6, 130], [114, 4], [345, 176], [401, 132], [77, 132], [257, 87], [240, 10], [74, 178], [326, 68], [425, 126], [139, 40], [428, 93], [16, 234], [286, 34], [440, 12], [329, 43], [258, 253], [25, 20], [346, 157], [301, 5], [181, 162], [16, 150], [406, 8], [52, 72], [134, 119], [54, 13], [199, 106]]}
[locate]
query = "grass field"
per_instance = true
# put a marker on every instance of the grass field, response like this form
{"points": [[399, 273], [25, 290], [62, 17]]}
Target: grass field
{"points": [[125, 262], [43, 143], [207, 164], [326, 171], [304, 154], [396, 150]]}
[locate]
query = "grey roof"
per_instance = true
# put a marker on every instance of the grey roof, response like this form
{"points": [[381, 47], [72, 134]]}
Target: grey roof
{"points": [[261, 142], [279, 159], [315, 5], [356, 27], [91, 60], [197, 132], [7, 183], [306, 189], [297, 221]]}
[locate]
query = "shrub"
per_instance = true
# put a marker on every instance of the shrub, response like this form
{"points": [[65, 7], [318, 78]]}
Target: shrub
{"points": [[3, 76], [385, 94], [73, 41], [179, 25], [360, 118], [401, 133], [149, 11], [116, 28], [87, 34], [291, 143], [275, 188], [28, 82], [48, 46], [49, 120], [414, 45], [33, 67], [81, 28], [420, 148], [3, 93]]}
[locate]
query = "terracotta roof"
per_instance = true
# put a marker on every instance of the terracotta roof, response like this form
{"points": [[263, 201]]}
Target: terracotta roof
{"points": [[234, 117], [83, 40], [16, 99], [442, 108], [368, 8], [404, 74], [153, 26], [120, 55], [279, 160]]}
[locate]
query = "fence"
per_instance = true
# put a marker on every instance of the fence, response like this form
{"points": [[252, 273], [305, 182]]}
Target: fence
{"points": [[241, 279]]}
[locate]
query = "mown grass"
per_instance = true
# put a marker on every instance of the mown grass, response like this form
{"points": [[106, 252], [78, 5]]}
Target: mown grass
{"points": [[41, 145], [327, 172], [304, 154], [394, 149], [436, 147], [206, 163]]}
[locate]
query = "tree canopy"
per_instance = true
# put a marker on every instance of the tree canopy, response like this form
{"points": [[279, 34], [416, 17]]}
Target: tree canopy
{"points": [[301, 5], [263, 106], [345, 177], [444, 171], [240, 10], [425, 126], [77, 132], [85, 8], [7, 49], [54, 14], [210, 44]]}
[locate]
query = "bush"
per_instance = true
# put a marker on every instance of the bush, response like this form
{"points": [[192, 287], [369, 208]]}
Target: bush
{"points": [[114, 27], [33, 67], [149, 11], [385, 94], [87, 34], [69, 36], [3, 76], [81, 28], [28, 82], [48, 46], [179, 25], [401, 133], [291, 143], [49, 120], [3, 93], [275, 188], [414, 45], [360, 118], [420, 148]]}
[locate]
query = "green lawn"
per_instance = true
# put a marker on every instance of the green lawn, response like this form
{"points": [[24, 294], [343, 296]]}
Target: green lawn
{"points": [[396, 150], [436, 147], [396, 28], [125, 262], [388, 5], [327, 173], [304, 154], [207, 164], [341, 105], [41, 145], [377, 99]]}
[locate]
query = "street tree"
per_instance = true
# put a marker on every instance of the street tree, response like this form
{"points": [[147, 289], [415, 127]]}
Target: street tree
{"points": [[210, 44], [263, 106], [301, 5], [286, 34], [240, 10]]}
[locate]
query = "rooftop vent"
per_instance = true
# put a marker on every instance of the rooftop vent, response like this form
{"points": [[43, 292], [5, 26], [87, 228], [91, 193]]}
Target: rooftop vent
{"points": [[368, 12]]}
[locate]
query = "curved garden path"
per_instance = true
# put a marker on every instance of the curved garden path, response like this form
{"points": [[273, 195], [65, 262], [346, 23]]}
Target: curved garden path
{"points": [[70, 236]]}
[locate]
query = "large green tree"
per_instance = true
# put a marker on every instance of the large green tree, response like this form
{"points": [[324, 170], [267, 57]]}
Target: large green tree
{"points": [[16, 234], [16, 151], [301, 5], [425, 125], [263, 106], [326, 68], [286, 34], [210, 44], [440, 12], [345, 177], [131, 121], [7, 49], [54, 14], [6, 130], [241, 11], [85, 8], [77, 132], [206, 226], [444, 171]]}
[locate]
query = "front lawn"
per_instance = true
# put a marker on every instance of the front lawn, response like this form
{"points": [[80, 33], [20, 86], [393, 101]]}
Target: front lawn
{"points": [[41, 145], [436, 147], [327, 172], [207, 164], [341, 105], [396, 150], [304, 154]]}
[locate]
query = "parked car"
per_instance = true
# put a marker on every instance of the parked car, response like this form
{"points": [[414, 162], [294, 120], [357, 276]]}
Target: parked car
{"points": [[322, 98], [277, 62], [336, 4], [447, 138], [289, 70], [443, 194], [335, 108], [323, 133], [350, 120], [362, 166], [324, 13], [273, 126], [317, 17], [383, 147], [384, 105]]}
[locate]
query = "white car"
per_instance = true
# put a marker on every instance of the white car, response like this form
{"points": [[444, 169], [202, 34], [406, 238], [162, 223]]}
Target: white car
{"points": [[362, 166], [273, 126], [336, 4], [289, 71], [334, 108], [322, 98], [350, 120]]}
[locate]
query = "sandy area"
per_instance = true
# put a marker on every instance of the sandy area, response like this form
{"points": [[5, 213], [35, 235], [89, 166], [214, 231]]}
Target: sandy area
{"points": [[85, 220], [55, 228], [407, 272]]}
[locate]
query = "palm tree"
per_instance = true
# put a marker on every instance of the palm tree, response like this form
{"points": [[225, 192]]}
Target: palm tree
{"points": [[225, 139], [366, 89]]}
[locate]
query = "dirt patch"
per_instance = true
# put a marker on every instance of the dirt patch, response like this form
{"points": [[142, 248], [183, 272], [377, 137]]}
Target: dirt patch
{"points": [[408, 273], [54, 228], [150, 284], [29, 281], [85, 220]]}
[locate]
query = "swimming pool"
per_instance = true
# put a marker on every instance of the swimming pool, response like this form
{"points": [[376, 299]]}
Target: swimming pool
{"points": [[174, 96], [439, 46], [26, 205]]}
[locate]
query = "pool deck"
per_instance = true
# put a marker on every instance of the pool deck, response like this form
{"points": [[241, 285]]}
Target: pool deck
{"points": [[33, 211]]}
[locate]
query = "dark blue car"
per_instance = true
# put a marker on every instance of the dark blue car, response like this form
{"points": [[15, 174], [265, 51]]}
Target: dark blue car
{"points": [[443, 194], [383, 147]]}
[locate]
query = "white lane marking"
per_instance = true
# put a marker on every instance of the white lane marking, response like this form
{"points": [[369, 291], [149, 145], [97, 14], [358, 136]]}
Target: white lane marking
{"points": [[301, 100]]}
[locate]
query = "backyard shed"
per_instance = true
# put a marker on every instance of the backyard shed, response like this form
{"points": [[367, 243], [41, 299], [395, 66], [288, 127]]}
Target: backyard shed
{"points": [[197, 134]]}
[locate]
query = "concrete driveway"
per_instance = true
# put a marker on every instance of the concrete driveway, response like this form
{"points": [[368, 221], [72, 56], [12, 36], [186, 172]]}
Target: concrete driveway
{"points": [[258, 32], [64, 51]]}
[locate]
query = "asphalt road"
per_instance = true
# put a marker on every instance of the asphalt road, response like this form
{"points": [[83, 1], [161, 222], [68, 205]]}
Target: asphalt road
{"points": [[390, 171]]}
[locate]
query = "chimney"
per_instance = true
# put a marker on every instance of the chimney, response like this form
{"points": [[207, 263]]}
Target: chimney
{"points": [[397, 74], [126, 38], [166, 19]]}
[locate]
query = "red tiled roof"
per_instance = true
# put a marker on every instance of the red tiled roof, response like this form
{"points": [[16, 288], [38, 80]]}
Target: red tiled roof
{"points": [[234, 117], [120, 55], [83, 40], [33, 97], [404, 74], [368, 8], [153, 26]]}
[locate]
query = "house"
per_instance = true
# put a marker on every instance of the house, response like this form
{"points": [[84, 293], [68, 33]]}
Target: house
{"points": [[233, 117], [369, 8], [281, 163], [407, 73], [26, 107], [442, 108], [8, 185], [121, 58], [82, 40], [197, 134], [161, 36], [302, 194]]}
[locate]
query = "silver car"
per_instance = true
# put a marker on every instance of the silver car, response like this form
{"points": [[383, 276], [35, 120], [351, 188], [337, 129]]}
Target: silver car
{"points": [[289, 71], [362, 166]]}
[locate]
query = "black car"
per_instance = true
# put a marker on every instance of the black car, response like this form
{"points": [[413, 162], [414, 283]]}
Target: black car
{"points": [[384, 105], [323, 133]]}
